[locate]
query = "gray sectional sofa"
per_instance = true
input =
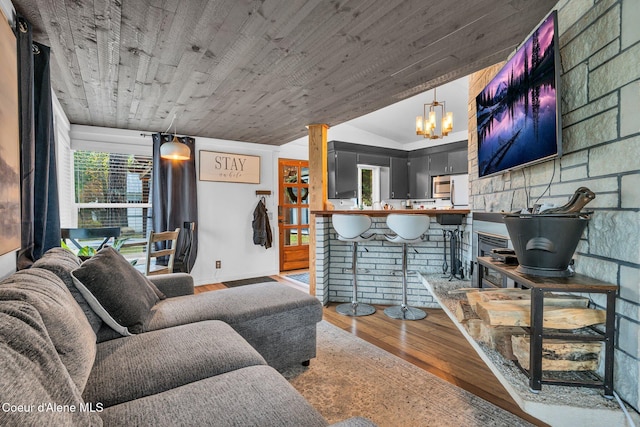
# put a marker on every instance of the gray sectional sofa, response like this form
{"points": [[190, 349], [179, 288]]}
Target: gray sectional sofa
{"points": [[207, 359]]}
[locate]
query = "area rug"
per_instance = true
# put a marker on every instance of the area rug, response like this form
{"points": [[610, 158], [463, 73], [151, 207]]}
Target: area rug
{"points": [[251, 281], [301, 277], [350, 377]]}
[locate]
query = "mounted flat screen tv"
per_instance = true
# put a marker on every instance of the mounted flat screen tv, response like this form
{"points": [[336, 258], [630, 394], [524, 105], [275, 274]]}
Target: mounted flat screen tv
{"points": [[518, 112]]}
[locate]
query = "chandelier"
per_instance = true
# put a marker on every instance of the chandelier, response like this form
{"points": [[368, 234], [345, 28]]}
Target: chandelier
{"points": [[426, 124]]}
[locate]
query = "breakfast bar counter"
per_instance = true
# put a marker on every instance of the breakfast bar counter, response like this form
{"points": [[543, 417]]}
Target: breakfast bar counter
{"points": [[385, 212], [380, 261]]}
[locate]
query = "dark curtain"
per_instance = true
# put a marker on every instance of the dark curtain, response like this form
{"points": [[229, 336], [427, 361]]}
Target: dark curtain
{"points": [[39, 185], [175, 201]]}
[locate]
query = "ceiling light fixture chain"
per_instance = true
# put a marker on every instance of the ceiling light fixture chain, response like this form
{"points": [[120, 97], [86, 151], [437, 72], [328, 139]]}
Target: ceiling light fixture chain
{"points": [[426, 125]]}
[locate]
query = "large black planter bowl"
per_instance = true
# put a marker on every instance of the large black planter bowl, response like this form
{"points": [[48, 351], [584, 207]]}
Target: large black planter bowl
{"points": [[544, 244]]}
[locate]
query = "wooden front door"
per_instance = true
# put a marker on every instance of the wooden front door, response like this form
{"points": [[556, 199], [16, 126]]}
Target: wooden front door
{"points": [[293, 214]]}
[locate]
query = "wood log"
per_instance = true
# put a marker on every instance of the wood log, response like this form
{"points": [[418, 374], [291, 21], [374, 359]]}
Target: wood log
{"points": [[463, 311], [550, 299], [499, 338], [473, 327], [523, 297], [465, 290], [559, 355], [468, 318], [475, 297], [504, 314]]}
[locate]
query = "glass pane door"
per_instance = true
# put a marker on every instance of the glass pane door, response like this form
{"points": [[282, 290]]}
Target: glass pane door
{"points": [[293, 220]]}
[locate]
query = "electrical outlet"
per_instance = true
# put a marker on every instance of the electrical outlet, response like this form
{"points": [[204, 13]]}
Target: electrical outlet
{"points": [[218, 264]]}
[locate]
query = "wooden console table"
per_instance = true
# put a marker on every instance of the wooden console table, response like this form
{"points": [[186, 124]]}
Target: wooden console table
{"points": [[539, 285]]}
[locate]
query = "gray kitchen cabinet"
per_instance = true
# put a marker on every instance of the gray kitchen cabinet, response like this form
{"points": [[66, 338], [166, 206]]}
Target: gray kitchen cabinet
{"points": [[438, 164], [458, 162], [409, 175], [448, 163], [342, 168], [419, 182], [398, 172], [373, 159]]}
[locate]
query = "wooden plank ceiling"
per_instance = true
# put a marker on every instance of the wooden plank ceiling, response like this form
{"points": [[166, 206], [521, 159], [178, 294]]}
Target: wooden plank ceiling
{"points": [[259, 71]]}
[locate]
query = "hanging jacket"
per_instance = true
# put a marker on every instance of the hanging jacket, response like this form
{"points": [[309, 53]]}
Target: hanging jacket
{"points": [[261, 227]]}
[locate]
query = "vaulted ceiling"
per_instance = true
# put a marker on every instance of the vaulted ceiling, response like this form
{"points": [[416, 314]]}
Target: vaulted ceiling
{"points": [[259, 71]]}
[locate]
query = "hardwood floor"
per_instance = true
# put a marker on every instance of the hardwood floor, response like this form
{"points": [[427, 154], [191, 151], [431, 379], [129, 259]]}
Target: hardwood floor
{"points": [[433, 344]]}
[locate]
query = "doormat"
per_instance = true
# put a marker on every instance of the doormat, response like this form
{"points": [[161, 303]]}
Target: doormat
{"points": [[251, 281], [301, 277]]}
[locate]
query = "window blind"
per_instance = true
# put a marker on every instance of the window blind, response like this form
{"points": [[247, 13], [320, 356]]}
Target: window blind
{"points": [[113, 190]]}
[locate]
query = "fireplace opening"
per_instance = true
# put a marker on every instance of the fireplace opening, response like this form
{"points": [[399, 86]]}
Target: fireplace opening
{"points": [[485, 242]]}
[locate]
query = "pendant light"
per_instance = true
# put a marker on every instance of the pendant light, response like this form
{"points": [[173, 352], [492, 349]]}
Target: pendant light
{"points": [[175, 150], [426, 124]]}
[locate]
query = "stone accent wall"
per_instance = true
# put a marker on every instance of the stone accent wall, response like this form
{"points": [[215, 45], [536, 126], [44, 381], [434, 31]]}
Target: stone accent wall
{"points": [[600, 50]]}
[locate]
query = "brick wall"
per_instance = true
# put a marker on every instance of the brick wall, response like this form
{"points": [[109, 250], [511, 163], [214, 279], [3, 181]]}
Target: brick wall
{"points": [[323, 224], [380, 265], [600, 50]]}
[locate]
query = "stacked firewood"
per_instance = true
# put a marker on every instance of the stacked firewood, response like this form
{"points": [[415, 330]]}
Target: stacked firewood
{"points": [[498, 318]]}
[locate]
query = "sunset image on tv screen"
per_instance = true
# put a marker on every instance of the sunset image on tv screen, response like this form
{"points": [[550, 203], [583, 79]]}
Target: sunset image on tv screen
{"points": [[516, 112]]}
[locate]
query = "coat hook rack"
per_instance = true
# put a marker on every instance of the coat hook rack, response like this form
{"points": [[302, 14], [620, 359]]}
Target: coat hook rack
{"points": [[263, 192]]}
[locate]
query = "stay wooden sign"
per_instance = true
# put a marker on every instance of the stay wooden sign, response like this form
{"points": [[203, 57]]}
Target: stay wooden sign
{"points": [[229, 167]]}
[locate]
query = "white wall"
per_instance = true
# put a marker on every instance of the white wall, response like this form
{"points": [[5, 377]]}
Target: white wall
{"points": [[225, 210], [449, 139], [347, 133], [298, 149], [64, 166]]}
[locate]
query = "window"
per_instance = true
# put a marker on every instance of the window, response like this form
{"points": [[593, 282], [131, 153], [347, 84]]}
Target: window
{"points": [[368, 185], [113, 190]]}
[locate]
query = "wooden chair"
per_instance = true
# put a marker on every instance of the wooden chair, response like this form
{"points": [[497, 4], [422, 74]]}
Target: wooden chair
{"points": [[171, 237]]}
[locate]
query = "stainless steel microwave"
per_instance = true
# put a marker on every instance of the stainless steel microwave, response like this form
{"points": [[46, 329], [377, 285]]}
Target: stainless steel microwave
{"points": [[441, 187]]}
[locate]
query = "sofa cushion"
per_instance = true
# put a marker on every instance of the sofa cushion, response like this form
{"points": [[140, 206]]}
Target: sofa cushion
{"points": [[132, 367], [33, 374], [116, 291], [62, 262], [173, 284], [106, 333], [66, 324], [252, 396], [250, 306], [270, 316]]}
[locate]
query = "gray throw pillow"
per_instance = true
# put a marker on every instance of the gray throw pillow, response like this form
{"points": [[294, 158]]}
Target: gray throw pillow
{"points": [[116, 291], [62, 262]]}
